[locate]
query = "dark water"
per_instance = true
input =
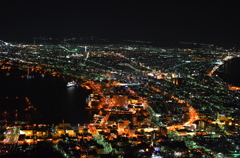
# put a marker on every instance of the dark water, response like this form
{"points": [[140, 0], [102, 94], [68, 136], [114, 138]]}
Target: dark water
{"points": [[53, 100], [230, 71]]}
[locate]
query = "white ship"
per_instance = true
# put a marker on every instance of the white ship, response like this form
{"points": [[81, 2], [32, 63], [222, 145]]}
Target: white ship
{"points": [[70, 84]]}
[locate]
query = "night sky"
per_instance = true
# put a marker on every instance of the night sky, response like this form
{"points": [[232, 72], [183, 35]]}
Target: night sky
{"points": [[204, 21]]}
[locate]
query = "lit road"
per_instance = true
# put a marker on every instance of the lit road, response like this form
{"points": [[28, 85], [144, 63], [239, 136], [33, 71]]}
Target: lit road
{"points": [[12, 137]]}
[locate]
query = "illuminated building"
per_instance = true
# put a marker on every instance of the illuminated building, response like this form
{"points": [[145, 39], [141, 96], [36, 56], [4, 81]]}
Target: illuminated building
{"points": [[81, 128], [133, 100], [120, 127], [134, 120], [70, 132], [126, 123], [175, 81], [65, 128], [27, 132], [60, 131], [120, 100], [131, 131], [29, 140]]}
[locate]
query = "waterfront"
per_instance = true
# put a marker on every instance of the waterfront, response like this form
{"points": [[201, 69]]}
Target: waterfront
{"points": [[230, 71], [49, 94]]}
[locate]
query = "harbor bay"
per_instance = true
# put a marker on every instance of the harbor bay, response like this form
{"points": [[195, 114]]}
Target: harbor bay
{"points": [[49, 94]]}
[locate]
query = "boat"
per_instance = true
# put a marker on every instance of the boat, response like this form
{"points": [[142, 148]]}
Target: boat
{"points": [[70, 84]]}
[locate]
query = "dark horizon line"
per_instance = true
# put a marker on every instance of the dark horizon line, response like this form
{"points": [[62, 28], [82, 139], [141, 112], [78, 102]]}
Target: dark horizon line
{"points": [[30, 39]]}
